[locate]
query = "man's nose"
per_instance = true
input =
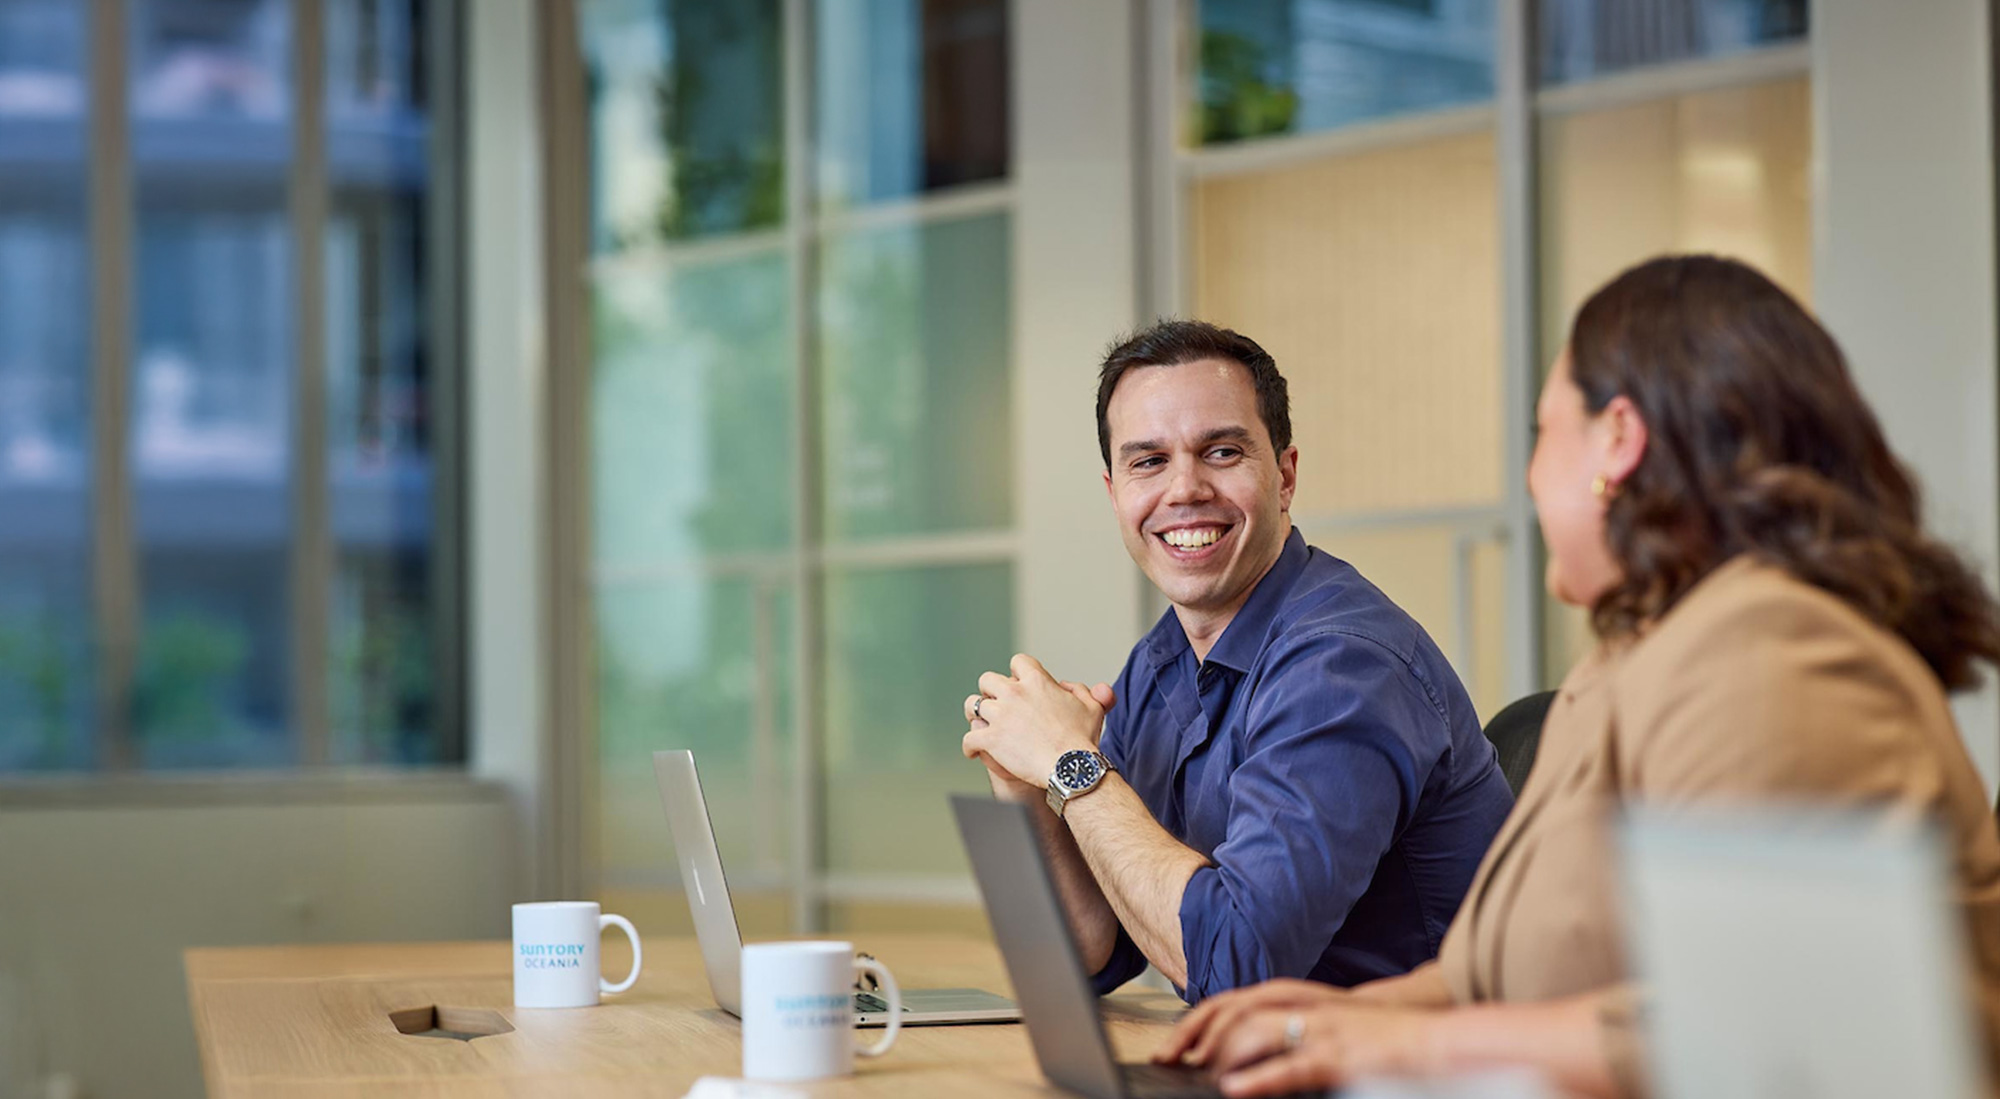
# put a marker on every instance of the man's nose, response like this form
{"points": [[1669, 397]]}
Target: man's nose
{"points": [[1188, 483]]}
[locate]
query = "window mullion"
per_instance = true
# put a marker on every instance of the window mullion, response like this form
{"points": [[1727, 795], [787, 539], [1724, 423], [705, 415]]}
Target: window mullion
{"points": [[312, 541], [443, 298], [1162, 97], [568, 734], [808, 676], [1514, 144], [114, 557]]}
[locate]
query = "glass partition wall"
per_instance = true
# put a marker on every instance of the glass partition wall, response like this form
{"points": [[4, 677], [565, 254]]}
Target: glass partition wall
{"points": [[227, 341], [799, 387], [48, 694], [802, 539]]}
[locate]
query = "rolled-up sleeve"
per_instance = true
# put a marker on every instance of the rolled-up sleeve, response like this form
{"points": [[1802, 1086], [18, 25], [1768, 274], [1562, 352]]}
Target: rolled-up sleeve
{"points": [[1127, 961], [1342, 734]]}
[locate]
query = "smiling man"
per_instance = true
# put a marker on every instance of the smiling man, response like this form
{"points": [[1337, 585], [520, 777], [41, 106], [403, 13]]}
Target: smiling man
{"points": [[1292, 781]]}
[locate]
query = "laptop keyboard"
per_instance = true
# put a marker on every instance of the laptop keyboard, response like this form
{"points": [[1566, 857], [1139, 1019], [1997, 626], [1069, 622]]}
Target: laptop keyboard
{"points": [[867, 1003]]}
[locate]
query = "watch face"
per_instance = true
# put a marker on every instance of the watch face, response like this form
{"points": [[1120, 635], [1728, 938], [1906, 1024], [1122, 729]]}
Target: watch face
{"points": [[1077, 770]]}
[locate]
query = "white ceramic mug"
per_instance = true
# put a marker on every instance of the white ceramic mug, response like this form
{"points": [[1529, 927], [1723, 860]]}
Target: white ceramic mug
{"points": [[798, 1010], [555, 954]]}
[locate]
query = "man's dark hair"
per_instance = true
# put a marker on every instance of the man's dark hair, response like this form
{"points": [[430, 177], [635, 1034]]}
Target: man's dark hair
{"points": [[1172, 343]]}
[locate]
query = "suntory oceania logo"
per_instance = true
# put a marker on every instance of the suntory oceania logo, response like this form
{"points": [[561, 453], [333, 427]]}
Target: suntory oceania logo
{"points": [[813, 1011], [550, 955]]}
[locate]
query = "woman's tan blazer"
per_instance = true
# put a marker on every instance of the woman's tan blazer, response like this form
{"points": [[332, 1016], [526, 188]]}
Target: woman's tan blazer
{"points": [[1755, 687]]}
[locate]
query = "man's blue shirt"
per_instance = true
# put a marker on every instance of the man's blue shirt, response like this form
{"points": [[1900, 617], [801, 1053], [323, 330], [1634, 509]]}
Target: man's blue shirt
{"points": [[1327, 761]]}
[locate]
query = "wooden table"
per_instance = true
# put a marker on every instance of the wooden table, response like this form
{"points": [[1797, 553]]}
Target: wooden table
{"points": [[299, 1021]]}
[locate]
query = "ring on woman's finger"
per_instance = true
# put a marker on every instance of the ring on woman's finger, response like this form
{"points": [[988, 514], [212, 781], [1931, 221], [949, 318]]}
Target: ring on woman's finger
{"points": [[975, 708], [1295, 1031]]}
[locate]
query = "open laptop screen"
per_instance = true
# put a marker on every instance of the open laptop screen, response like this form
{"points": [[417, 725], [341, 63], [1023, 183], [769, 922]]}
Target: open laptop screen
{"points": [[701, 875]]}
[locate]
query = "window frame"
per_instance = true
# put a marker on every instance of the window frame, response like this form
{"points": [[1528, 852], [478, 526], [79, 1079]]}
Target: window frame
{"points": [[116, 604], [799, 570]]}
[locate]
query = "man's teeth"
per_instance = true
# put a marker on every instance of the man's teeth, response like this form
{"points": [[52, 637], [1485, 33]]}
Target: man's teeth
{"points": [[1194, 538]]}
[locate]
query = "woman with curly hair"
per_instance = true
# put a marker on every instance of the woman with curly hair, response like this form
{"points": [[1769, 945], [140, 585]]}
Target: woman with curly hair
{"points": [[1774, 626]]}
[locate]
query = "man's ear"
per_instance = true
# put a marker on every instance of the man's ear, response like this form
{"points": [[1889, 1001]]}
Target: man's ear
{"points": [[1288, 477], [1108, 490]]}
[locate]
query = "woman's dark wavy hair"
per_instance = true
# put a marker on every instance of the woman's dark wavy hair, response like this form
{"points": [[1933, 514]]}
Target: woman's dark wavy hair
{"points": [[1758, 442]]}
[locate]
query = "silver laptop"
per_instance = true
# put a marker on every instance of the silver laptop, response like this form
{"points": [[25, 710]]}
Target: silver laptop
{"points": [[1807, 955], [1056, 998], [722, 943]]}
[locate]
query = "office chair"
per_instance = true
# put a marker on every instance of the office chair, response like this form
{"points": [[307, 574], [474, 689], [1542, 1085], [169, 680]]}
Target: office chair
{"points": [[1515, 733]]}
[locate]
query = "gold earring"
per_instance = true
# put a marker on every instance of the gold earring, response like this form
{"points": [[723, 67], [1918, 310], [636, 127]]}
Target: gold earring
{"points": [[1599, 485]]}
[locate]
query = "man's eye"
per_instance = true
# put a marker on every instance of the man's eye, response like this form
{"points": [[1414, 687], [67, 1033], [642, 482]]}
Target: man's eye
{"points": [[1148, 462], [1224, 453]]}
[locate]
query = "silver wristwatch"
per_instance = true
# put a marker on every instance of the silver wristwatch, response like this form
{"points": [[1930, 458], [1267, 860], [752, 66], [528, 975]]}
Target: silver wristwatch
{"points": [[1077, 773]]}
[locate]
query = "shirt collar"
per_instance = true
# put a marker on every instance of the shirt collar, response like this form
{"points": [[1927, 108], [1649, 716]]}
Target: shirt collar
{"points": [[1243, 638], [1166, 641]]}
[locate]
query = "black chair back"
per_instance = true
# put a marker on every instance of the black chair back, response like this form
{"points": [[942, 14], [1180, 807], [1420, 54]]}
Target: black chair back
{"points": [[1516, 732]]}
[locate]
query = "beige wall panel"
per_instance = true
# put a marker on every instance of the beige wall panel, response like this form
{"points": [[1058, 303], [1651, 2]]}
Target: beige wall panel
{"points": [[1746, 178], [1725, 171], [1607, 199], [1372, 278]]}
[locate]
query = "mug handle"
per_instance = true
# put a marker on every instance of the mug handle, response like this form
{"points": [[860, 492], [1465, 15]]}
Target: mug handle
{"points": [[631, 933], [895, 1006]]}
